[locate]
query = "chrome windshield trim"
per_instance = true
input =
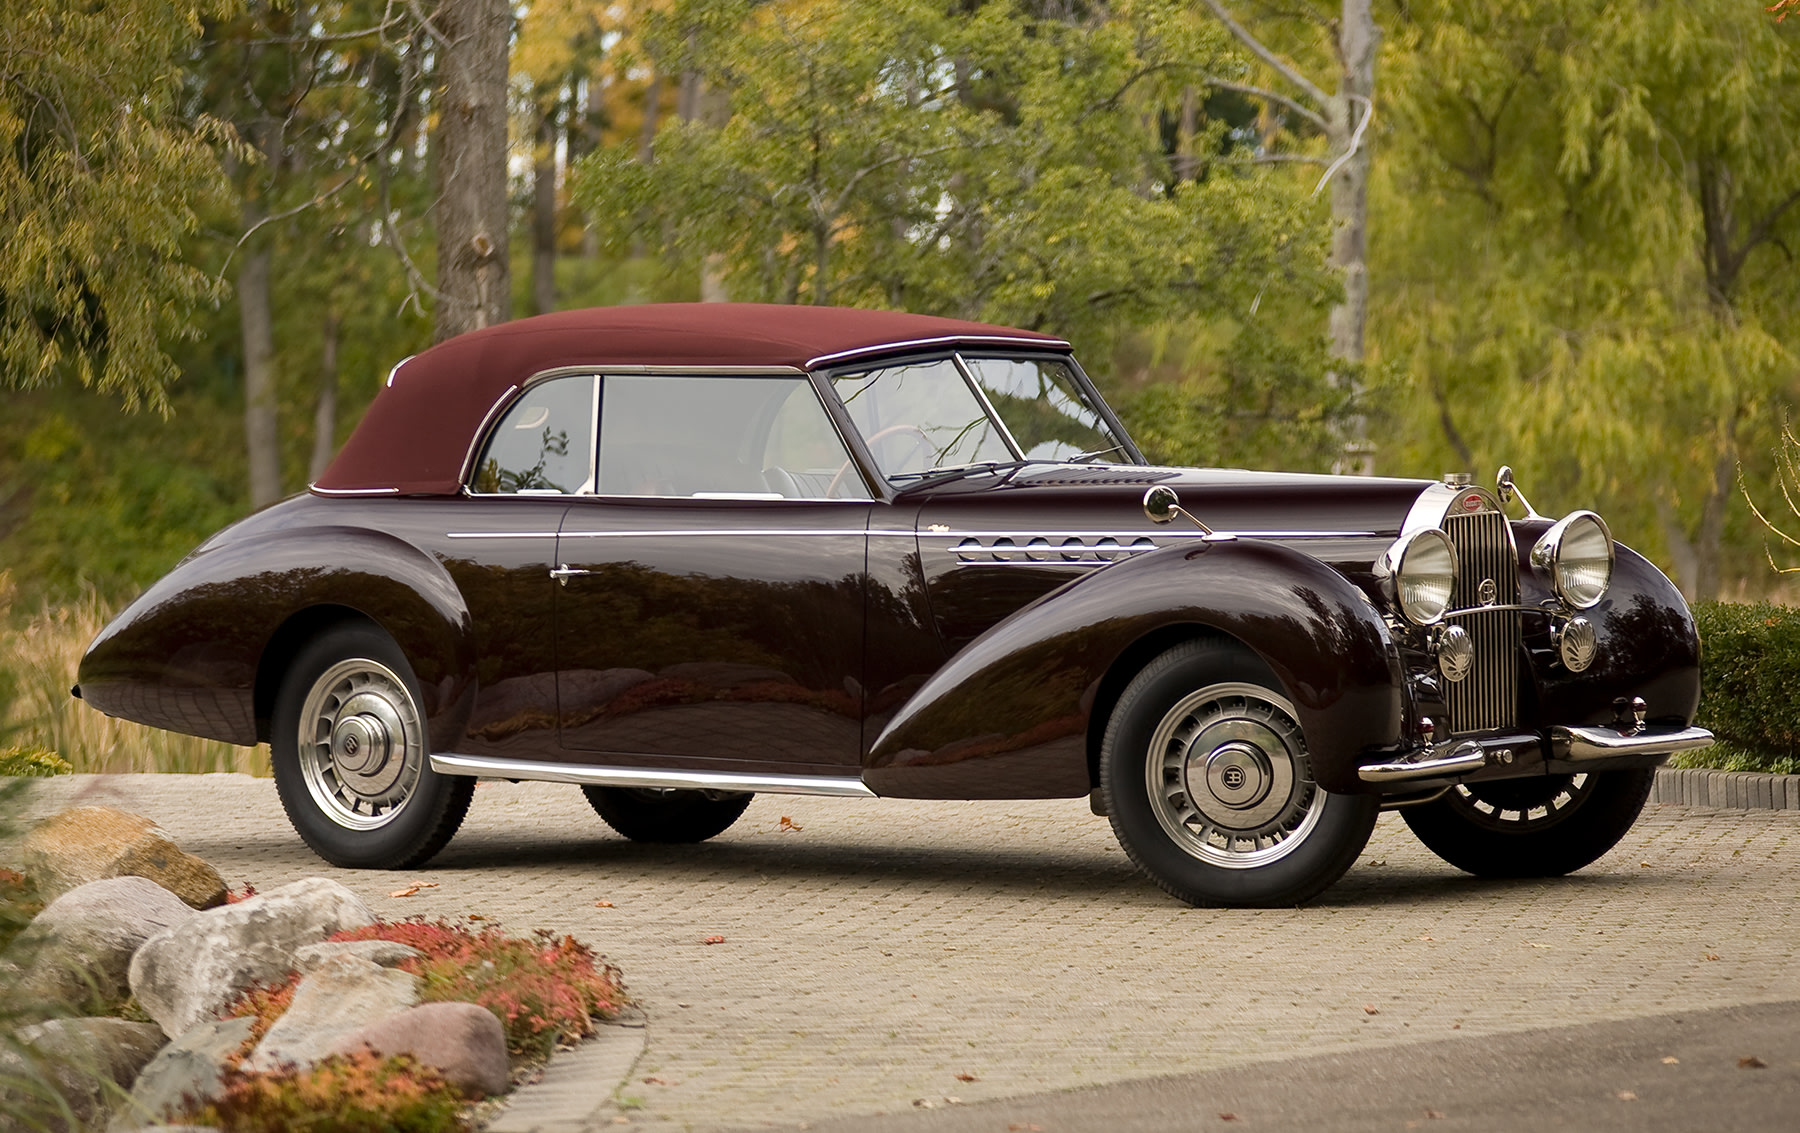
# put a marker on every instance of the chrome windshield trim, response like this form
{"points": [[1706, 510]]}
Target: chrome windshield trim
{"points": [[590, 775], [316, 490], [1053, 345], [987, 406]]}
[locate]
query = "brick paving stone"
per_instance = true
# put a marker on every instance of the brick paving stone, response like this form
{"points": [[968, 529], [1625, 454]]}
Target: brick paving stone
{"points": [[885, 947]]}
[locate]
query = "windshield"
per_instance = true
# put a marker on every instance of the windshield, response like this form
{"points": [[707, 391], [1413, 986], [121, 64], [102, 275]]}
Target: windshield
{"points": [[921, 417]]}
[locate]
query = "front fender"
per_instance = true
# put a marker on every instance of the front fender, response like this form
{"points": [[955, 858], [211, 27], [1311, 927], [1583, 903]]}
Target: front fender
{"points": [[1009, 715], [186, 655]]}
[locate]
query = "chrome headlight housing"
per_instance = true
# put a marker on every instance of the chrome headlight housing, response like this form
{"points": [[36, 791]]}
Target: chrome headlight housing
{"points": [[1575, 559], [1419, 573]]}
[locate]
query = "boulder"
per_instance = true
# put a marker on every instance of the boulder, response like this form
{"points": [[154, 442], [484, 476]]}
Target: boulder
{"points": [[87, 1061], [338, 997], [78, 950], [387, 953], [189, 972], [189, 1071], [93, 843], [463, 1042]]}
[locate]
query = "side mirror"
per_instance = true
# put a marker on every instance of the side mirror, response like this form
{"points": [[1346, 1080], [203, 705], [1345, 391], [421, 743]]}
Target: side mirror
{"points": [[1161, 504]]}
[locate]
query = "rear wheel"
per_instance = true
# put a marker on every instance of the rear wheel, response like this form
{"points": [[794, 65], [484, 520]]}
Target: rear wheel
{"points": [[1206, 778], [650, 814], [1539, 827], [351, 755]]}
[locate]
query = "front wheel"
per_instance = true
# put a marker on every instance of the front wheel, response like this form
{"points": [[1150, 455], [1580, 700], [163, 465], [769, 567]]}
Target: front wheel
{"points": [[351, 755], [650, 814], [1205, 774], [1540, 827]]}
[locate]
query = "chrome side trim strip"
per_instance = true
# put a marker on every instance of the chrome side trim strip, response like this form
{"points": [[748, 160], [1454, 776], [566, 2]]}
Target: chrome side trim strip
{"points": [[1577, 744], [847, 532], [1050, 344], [833, 785], [318, 491], [1016, 533]]}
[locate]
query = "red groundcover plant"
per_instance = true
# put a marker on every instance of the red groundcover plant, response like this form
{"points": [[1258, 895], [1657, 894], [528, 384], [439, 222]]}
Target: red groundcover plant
{"points": [[541, 988]]}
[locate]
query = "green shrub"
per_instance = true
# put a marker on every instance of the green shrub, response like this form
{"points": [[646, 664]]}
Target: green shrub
{"points": [[1750, 694], [33, 762]]}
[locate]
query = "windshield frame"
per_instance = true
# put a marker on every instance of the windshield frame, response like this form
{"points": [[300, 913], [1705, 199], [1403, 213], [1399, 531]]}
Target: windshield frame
{"points": [[826, 380]]}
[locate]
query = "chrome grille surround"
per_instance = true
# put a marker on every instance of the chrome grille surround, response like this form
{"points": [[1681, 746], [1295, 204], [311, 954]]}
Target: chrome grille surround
{"points": [[1488, 698]]}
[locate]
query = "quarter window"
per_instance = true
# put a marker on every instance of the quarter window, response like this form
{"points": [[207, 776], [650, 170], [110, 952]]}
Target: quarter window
{"points": [[1045, 411], [544, 444]]}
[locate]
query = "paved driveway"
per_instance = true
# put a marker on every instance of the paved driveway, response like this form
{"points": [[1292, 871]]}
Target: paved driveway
{"points": [[883, 953]]}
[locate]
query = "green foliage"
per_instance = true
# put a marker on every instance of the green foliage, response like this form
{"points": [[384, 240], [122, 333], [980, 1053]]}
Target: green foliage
{"points": [[1582, 262], [1750, 667], [980, 163], [101, 177], [544, 990], [32, 762], [357, 1093]]}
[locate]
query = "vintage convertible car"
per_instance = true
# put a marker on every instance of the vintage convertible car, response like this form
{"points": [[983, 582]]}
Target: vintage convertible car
{"points": [[678, 554]]}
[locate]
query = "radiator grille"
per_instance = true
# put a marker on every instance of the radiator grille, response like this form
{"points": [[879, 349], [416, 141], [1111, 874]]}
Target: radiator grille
{"points": [[1488, 698]]}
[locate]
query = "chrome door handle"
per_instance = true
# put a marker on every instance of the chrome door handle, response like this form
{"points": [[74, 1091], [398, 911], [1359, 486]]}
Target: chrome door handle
{"points": [[565, 572]]}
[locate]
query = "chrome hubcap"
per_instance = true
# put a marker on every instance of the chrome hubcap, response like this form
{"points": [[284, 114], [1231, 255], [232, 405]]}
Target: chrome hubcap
{"points": [[361, 744], [1229, 779]]}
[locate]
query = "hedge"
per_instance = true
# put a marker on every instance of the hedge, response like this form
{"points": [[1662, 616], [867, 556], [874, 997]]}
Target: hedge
{"points": [[1750, 686]]}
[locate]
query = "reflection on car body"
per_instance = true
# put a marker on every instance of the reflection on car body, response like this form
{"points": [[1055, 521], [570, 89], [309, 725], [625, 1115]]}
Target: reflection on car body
{"points": [[680, 554]]}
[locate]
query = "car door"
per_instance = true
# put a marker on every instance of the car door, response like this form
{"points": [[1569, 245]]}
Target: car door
{"points": [[710, 607]]}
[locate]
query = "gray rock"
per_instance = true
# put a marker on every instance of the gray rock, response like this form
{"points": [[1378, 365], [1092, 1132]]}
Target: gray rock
{"points": [[340, 996], [186, 1072], [187, 973], [88, 1061], [463, 1042], [78, 950], [93, 843], [387, 953]]}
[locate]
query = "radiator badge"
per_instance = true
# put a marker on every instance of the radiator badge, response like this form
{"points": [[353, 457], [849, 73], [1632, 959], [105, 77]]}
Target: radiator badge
{"points": [[1488, 592]]}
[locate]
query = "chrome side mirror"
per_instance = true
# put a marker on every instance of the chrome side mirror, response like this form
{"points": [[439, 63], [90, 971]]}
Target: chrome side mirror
{"points": [[1161, 504], [1509, 491]]}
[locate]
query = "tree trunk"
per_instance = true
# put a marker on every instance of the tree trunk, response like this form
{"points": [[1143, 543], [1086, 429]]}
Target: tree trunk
{"points": [[1187, 162], [474, 274], [543, 216], [325, 414], [262, 436], [1358, 38]]}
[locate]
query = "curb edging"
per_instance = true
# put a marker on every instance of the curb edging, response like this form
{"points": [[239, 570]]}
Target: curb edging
{"points": [[1730, 790]]}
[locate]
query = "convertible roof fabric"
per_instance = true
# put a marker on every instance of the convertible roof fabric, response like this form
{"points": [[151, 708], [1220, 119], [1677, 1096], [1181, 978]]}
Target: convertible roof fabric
{"points": [[417, 433]]}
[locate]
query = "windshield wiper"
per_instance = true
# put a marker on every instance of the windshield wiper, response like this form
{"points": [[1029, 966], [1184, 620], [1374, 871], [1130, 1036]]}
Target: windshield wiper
{"points": [[1002, 468], [1085, 457]]}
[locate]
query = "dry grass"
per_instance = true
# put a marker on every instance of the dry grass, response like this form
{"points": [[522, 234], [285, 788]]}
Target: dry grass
{"points": [[39, 653]]}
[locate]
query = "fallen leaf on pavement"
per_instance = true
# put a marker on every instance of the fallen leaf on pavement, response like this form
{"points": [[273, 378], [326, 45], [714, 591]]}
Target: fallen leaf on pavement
{"points": [[713, 940], [1371, 1009], [1229, 1117], [413, 888], [789, 824], [1643, 865], [1712, 955], [476, 917], [1627, 1096], [965, 1077], [603, 904], [1432, 1113], [1433, 939], [658, 1082], [1751, 1062], [1671, 1061], [1023, 1127], [1456, 1026], [1532, 944]]}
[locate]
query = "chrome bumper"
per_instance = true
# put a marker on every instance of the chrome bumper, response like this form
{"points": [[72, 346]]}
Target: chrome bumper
{"points": [[1574, 744], [1577, 744]]}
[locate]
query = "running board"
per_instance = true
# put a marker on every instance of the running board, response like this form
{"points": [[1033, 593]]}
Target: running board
{"points": [[589, 775]]}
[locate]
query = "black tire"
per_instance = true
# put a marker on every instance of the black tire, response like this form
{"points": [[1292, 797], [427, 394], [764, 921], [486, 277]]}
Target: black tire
{"points": [[1539, 827], [1264, 833], [358, 785], [645, 814]]}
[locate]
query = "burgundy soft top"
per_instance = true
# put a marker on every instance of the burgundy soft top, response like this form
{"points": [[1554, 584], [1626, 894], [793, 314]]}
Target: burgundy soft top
{"points": [[417, 433]]}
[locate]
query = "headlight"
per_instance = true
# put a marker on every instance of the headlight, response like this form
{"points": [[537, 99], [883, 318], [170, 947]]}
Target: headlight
{"points": [[1575, 559], [1420, 573]]}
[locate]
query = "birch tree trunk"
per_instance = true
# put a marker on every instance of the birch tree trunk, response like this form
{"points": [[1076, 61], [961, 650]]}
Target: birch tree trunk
{"points": [[325, 412], [474, 273], [1347, 109], [262, 435], [543, 216]]}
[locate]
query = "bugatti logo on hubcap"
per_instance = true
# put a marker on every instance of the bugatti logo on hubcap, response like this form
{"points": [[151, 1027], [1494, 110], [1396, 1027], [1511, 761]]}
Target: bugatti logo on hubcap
{"points": [[351, 745], [1233, 778]]}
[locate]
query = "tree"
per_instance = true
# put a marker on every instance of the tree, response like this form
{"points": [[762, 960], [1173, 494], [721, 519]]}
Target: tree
{"points": [[1592, 271], [474, 269], [101, 179]]}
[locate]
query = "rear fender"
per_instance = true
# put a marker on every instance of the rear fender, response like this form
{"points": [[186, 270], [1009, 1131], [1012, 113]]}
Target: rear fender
{"points": [[1011, 714], [202, 650]]}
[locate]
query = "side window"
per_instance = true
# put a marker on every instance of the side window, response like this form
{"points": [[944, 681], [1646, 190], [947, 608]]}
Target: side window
{"points": [[749, 437], [544, 444]]}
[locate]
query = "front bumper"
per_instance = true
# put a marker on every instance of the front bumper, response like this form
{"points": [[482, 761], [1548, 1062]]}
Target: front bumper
{"points": [[1568, 743]]}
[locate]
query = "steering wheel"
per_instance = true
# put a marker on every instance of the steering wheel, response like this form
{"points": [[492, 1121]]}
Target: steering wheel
{"points": [[921, 443]]}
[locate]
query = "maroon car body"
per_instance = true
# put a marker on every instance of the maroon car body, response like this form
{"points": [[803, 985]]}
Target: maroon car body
{"points": [[682, 553]]}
